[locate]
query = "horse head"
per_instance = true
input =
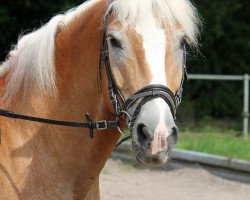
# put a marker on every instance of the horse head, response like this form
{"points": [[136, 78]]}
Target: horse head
{"points": [[145, 58]]}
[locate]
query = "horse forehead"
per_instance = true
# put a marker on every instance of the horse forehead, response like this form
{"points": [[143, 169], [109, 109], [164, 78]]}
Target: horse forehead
{"points": [[154, 44], [148, 41]]}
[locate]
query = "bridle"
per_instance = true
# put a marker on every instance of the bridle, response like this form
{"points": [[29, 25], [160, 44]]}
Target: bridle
{"points": [[141, 96], [121, 106]]}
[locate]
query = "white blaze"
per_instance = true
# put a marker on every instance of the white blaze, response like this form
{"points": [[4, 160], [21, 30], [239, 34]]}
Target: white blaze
{"points": [[155, 55], [154, 44], [161, 132]]}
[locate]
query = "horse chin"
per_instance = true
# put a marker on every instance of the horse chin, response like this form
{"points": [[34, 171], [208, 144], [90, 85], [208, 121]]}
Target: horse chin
{"points": [[145, 156]]}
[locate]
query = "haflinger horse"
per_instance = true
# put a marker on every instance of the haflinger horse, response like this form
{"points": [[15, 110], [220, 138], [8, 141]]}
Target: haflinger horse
{"points": [[123, 62]]}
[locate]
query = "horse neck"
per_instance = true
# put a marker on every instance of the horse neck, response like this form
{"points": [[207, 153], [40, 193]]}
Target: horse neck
{"points": [[76, 59], [79, 90]]}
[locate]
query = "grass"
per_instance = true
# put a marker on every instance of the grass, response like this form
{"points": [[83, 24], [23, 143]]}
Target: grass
{"points": [[215, 137], [220, 142]]}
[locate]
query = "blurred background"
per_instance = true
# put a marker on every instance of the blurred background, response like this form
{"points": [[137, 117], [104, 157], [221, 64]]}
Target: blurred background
{"points": [[210, 116]]}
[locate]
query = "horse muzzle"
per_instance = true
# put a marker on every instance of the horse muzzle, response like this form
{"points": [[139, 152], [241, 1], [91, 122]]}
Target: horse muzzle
{"points": [[154, 133], [150, 114]]}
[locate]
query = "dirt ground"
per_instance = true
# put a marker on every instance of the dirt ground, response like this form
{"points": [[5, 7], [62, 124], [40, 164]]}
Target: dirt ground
{"points": [[123, 181]]}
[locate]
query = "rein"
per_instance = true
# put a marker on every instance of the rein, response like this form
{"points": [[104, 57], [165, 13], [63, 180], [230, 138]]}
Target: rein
{"points": [[99, 125], [141, 97]]}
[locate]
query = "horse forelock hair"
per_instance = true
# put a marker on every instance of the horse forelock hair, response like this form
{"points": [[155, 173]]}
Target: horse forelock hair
{"points": [[31, 63], [169, 13]]}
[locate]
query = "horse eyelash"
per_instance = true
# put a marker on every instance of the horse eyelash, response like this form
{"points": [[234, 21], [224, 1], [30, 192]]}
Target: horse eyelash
{"points": [[115, 42], [183, 43]]}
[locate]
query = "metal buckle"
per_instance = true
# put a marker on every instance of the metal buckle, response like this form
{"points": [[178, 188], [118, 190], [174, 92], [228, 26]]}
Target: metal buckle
{"points": [[101, 125]]}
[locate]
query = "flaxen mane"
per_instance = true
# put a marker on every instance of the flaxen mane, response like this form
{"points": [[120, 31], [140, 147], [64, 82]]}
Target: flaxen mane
{"points": [[31, 62], [170, 13]]}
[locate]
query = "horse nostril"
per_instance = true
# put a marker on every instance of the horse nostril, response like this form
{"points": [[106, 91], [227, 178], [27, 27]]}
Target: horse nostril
{"points": [[174, 134], [143, 136], [174, 131]]}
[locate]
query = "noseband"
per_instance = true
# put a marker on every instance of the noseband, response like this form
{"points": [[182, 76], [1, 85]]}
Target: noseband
{"points": [[121, 106]]}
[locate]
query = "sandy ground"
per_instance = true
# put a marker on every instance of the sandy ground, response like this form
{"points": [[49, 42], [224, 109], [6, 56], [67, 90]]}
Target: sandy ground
{"points": [[122, 181]]}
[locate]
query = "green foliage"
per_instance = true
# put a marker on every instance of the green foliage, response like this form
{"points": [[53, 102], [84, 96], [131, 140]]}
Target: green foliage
{"points": [[224, 49], [216, 142]]}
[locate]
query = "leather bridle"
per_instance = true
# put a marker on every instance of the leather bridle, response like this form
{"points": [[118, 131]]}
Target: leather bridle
{"points": [[140, 97], [143, 95]]}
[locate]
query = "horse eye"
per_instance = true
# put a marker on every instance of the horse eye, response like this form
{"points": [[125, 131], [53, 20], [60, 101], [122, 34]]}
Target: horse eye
{"points": [[183, 43], [115, 43]]}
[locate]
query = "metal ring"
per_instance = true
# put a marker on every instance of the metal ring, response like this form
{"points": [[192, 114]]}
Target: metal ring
{"points": [[121, 131], [129, 118]]}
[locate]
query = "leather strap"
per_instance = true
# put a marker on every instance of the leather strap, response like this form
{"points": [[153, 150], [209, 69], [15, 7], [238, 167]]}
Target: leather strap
{"points": [[104, 62], [99, 125], [148, 93]]}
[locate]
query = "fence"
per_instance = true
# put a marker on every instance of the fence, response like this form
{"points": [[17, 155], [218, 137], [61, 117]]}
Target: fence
{"points": [[245, 78]]}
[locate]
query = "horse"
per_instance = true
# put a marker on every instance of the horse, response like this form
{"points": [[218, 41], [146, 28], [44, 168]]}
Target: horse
{"points": [[123, 63]]}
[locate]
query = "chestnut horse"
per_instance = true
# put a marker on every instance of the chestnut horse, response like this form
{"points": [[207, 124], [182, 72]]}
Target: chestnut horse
{"points": [[62, 71]]}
